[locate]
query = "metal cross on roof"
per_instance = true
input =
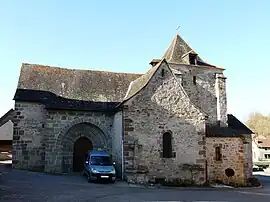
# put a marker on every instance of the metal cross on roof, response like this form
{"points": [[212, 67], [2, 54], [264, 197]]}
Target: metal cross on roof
{"points": [[178, 28]]}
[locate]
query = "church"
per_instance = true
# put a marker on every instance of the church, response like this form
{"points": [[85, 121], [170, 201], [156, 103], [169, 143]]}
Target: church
{"points": [[159, 125]]}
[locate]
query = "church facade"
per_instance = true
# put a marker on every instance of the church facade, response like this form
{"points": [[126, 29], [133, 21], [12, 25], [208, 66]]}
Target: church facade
{"points": [[159, 125]]}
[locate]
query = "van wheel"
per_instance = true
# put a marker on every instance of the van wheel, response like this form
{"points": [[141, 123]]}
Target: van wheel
{"points": [[89, 178], [113, 181]]}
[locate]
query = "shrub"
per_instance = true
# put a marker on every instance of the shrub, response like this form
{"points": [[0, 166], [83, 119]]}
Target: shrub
{"points": [[254, 182]]}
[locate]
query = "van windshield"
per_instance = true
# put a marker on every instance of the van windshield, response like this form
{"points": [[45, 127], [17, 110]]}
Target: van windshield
{"points": [[101, 160]]}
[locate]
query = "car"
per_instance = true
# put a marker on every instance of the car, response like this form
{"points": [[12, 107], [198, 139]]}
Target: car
{"points": [[257, 168], [99, 166]]}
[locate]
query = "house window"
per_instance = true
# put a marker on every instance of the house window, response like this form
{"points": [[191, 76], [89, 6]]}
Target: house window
{"points": [[218, 153], [194, 80], [167, 145], [267, 156]]}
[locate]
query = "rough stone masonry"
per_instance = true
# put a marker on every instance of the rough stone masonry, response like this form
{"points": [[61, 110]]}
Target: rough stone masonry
{"points": [[155, 125]]}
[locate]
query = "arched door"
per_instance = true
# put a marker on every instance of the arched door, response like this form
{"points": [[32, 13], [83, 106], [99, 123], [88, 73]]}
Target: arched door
{"points": [[81, 146]]}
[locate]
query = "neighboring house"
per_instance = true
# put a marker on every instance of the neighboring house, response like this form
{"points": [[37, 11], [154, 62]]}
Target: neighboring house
{"points": [[6, 131], [261, 149], [154, 124]]}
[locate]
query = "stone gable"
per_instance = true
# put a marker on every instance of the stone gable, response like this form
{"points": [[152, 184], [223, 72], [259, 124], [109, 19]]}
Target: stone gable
{"points": [[160, 107]]}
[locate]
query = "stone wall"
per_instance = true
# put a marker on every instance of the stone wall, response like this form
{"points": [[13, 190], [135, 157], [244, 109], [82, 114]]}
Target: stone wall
{"points": [[58, 126], [117, 141], [160, 107], [6, 131], [28, 138], [43, 140], [203, 92], [248, 156], [208, 92], [232, 157], [221, 99]]}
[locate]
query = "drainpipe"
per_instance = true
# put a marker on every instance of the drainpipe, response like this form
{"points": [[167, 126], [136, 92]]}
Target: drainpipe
{"points": [[122, 146]]}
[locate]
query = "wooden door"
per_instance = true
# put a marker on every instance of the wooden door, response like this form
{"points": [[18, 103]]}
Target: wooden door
{"points": [[81, 147]]}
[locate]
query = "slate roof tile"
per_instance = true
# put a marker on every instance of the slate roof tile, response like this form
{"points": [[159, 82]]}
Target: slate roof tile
{"points": [[88, 85]]}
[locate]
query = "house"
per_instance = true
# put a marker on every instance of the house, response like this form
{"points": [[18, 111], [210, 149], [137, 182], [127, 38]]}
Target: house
{"points": [[6, 132], [156, 125], [261, 150]]}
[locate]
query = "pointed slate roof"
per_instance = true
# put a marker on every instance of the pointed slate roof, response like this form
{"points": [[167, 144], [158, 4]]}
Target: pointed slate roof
{"points": [[178, 50], [87, 85]]}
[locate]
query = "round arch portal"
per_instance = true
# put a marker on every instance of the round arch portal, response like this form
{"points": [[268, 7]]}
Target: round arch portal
{"points": [[77, 141], [81, 147]]}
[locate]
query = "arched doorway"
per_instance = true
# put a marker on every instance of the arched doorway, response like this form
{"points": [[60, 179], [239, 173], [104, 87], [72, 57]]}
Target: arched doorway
{"points": [[81, 146]]}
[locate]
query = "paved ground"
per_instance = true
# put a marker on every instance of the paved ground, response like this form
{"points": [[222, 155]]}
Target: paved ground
{"points": [[25, 186]]}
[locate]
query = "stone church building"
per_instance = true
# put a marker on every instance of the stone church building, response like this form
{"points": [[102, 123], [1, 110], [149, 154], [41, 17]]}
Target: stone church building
{"points": [[156, 125]]}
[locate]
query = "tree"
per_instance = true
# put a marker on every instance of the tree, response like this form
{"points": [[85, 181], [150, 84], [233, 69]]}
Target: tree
{"points": [[259, 123]]}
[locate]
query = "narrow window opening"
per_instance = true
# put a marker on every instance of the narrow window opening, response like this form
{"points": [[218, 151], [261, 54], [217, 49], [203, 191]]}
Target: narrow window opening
{"points": [[162, 72], [218, 153], [192, 59], [194, 80], [167, 145]]}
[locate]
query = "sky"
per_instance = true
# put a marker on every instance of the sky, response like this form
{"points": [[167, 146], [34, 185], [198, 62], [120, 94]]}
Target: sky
{"points": [[124, 36]]}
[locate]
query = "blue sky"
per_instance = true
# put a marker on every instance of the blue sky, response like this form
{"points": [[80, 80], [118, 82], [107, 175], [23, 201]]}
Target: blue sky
{"points": [[124, 36]]}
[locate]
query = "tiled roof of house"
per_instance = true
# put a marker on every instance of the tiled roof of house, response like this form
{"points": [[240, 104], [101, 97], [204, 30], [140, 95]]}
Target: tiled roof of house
{"points": [[87, 85], [6, 117], [263, 141]]}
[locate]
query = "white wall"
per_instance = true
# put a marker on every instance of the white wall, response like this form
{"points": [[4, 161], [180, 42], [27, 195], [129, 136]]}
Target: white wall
{"points": [[117, 142], [6, 131]]}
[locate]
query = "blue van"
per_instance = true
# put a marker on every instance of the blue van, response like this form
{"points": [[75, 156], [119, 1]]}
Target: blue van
{"points": [[99, 166]]}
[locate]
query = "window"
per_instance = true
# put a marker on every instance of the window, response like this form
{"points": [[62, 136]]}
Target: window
{"points": [[167, 145], [267, 156], [218, 153], [162, 72], [194, 80], [192, 59], [101, 161]]}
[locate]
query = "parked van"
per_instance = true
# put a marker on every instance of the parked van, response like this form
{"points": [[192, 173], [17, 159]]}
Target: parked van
{"points": [[99, 166]]}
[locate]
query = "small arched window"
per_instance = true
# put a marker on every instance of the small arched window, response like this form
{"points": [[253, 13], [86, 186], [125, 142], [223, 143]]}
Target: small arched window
{"points": [[218, 153], [167, 145]]}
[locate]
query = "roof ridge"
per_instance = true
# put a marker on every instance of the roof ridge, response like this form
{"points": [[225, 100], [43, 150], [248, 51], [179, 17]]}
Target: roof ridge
{"points": [[32, 65]]}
